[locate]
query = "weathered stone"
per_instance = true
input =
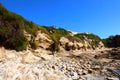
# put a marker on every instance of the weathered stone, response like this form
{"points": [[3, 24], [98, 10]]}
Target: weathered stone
{"points": [[30, 58], [84, 72], [74, 75], [90, 71], [55, 68], [112, 78], [43, 40], [3, 54], [96, 68]]}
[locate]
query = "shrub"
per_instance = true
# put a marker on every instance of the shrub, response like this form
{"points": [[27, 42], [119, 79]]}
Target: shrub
{"points": [[21, 43], [73, 39], [80, 36], [33, 45], [89, 36], [17, 43], [11, 30], [112, 41], [95, 39]]}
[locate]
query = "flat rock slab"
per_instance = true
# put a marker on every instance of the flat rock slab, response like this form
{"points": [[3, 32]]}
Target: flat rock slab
{"points": [[112, 78]]}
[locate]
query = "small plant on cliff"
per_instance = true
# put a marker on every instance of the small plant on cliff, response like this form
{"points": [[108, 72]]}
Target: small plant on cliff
{"points": [[55, 35], [88, 36]]}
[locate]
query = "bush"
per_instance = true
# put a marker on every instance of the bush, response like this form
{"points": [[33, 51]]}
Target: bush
{"points": [[112, 41], [43, 29], [95, 39], [12, 28], [21, 43], [17, 43], [33, 45], [54, 47], [73, 39], [89, 36]]}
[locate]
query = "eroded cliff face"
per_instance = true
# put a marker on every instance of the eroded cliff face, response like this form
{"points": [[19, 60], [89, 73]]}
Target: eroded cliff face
{"points": [[75, 45], [44, 42]]}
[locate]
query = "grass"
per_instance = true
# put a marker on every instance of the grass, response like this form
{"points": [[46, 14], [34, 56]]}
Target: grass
{"points": [[95, 39]]}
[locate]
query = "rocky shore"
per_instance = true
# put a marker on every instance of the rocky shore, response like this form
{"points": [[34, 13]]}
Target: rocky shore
{"points": [[94, 65]]}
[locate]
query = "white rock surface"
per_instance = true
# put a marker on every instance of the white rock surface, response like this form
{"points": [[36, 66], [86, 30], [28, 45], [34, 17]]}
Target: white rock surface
{"points": [[28, 65]]}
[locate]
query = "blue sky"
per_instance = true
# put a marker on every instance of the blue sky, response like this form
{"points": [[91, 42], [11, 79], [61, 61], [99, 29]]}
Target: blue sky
{"points": [[101, 17]]}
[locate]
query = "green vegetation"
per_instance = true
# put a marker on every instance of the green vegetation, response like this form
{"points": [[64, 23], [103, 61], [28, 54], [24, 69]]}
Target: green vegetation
{"points": [[34, 45], [12, 28], [55, 35], [88, 36], [73, 39], [21, 43], [112, 41], [95, 39], [105, 42]]}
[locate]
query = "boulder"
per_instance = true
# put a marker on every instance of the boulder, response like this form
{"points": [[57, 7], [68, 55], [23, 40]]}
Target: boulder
{"points": [[112, 78], [28, 57]]}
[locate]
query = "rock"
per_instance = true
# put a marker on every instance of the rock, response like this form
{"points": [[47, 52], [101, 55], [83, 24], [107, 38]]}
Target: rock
{"points": [[79, 71], [101, 45], [19, 71], [54, 68], [84, 72], [63, 41], [112, 78], [104, 71], [96, 68], [12, 54], [51, 77], [74, 75], [3, 54], [43, 40], [90, 71], [30, 58], [91, 77]]}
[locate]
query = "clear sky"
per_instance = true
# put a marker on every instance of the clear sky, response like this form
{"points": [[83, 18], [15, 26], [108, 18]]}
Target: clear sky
{"points": [[101, 17]]}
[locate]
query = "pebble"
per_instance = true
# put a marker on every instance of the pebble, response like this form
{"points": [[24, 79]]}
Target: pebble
{"points": [[62, 69]]}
